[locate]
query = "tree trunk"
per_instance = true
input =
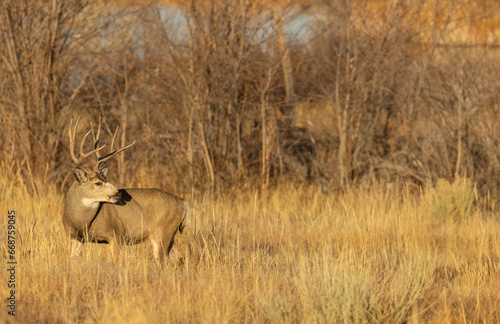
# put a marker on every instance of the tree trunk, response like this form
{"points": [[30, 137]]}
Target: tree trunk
{"points": [[286, 60]]}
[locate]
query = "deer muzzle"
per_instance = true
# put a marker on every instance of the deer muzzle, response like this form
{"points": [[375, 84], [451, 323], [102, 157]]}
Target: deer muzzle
{"points": [[115, 198]]}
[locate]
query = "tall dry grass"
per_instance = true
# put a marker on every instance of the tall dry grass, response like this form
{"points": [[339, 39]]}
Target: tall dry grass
{"points": [[288, 254]]}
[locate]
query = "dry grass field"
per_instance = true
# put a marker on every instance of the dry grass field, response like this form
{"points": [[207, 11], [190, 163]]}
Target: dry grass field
{"points": [[286, 255]]}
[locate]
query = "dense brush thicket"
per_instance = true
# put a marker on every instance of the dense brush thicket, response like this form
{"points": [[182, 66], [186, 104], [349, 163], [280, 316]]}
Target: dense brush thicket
{"points": [[220, 93]]}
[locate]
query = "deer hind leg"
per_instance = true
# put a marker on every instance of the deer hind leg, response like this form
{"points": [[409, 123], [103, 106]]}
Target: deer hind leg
{"points": [[162, 242], [177, 246], [171, 248], [157, 250]]}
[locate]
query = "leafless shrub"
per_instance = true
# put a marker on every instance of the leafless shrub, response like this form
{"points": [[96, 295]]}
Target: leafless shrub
{"points": [[219, 93], [406, 98], [39, 49]]}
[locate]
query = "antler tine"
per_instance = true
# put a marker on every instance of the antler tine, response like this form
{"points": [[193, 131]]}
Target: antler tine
{"points": [[72, 140], [110, 155]]}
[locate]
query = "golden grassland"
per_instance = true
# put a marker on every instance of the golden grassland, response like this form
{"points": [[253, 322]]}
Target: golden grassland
{"points": [[289, 254]]}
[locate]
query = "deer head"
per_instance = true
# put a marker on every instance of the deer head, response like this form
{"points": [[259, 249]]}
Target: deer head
{"points": [[92, 182]]}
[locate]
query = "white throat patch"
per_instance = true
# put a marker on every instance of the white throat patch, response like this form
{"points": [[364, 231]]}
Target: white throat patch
{"points": [[91, 203]]}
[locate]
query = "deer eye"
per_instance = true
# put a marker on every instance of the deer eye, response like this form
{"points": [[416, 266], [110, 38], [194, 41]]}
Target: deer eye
{"points": [[98, 184]]}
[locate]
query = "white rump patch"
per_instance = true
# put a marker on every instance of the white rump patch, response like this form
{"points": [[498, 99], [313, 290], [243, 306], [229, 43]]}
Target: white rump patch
{"points": [[91, 203]]}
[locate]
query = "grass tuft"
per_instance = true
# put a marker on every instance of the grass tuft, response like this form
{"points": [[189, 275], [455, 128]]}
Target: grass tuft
{"points": [[451, 201]]}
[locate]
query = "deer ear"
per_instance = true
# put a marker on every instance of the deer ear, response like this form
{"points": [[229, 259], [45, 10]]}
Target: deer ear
{"points": [[80, 175], [104, 172]]}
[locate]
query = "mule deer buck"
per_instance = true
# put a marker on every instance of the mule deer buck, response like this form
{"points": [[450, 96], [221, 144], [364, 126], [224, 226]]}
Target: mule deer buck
{"points": [[95, 211]]}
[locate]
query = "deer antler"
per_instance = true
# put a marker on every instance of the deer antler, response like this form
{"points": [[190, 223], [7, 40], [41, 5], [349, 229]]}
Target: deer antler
{"points": [[83, 156], [96, 144]]}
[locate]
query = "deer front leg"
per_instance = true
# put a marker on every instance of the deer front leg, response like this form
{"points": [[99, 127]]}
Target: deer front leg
{"points": [[115, 251], [76, 247]]}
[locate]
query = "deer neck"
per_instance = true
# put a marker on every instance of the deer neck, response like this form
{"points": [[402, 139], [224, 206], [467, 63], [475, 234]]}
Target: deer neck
{"points": [[80, 211]]}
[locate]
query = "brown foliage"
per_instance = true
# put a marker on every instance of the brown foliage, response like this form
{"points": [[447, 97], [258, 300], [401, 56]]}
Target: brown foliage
{"points": [[389, 92]]}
